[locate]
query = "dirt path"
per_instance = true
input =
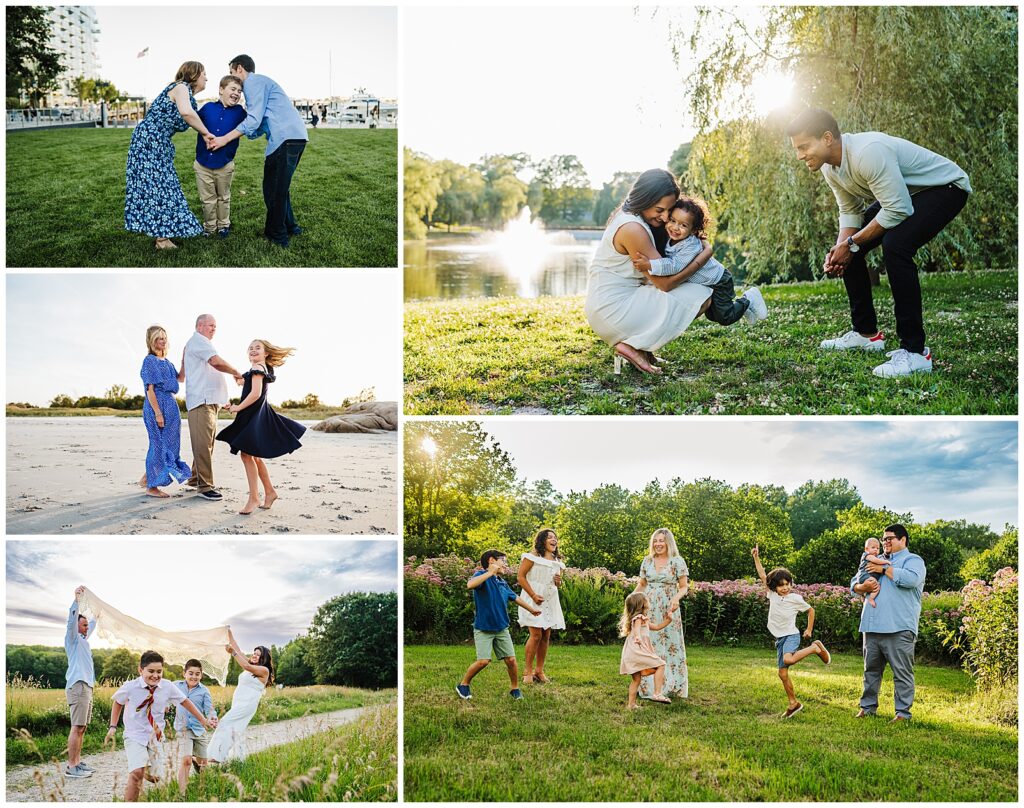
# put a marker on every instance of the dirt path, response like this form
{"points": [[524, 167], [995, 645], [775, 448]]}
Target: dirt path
{"points": [[46, 783]]}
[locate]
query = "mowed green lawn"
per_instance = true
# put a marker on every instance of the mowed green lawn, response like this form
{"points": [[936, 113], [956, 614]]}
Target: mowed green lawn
{"points": [[65, 203], [520, 356], [573, 740]]}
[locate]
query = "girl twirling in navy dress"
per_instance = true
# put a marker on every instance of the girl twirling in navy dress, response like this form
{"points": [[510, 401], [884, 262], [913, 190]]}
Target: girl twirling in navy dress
{"points": [[258, 433], [161, 416]]}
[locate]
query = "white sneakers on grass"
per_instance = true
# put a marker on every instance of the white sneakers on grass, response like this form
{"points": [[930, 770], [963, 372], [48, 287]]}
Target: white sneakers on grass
{"points": [[851, 340], [758, 309], [903, 363]]}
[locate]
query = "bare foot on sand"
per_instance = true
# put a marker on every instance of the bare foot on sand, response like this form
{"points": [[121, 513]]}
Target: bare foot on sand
{"points": [[268, 500], [156, 492], [143, 482], [250, 505]]}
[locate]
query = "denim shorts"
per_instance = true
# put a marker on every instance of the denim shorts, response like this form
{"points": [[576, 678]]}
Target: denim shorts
{"points": [[786, 645]]}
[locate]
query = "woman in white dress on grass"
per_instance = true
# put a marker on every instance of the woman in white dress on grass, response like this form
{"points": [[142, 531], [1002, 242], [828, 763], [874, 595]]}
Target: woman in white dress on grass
{"points": [[228, 742], [540, 575], [634, 312]]}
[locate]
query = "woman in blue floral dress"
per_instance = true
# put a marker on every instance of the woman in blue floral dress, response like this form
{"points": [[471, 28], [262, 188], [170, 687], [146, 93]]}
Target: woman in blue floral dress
{"points": [[161, 416], [154, 203], [665, 579]]}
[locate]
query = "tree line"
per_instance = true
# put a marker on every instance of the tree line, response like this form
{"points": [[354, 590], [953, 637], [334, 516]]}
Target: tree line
{"points": [[116, 397], [352, 640], [463, 495]]}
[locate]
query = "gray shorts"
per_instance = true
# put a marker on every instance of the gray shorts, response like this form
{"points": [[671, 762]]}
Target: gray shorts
{"points": [[194, 745], [80, 701], [498, 641]]}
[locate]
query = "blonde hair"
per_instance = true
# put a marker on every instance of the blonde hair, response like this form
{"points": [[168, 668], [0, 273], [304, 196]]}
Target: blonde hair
{"points": [[275, 354], [636, 603], [190, 72], [670, 542], [152, 333]]}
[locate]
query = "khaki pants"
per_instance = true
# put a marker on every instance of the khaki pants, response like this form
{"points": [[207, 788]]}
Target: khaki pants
{"points": [[214, 186], [202, 429]]}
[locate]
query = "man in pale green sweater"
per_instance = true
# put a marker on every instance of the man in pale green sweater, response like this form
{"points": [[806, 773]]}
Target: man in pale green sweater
{"points": [[892, 193]]}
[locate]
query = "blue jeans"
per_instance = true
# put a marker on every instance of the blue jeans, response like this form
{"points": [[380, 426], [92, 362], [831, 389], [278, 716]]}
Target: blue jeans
{"points": [[278, 169]]}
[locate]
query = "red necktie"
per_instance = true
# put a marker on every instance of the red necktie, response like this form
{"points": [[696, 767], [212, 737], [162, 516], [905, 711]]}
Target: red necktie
{"points": [[148, 704]]}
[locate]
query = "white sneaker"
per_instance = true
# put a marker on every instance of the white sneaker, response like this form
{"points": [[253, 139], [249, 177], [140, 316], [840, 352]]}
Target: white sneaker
{"points": [[758, 309], [851, 340], [903, 363]]}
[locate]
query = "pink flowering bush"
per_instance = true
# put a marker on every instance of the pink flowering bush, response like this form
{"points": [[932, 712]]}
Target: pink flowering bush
{"points": [[439, 609], [989, 631]]}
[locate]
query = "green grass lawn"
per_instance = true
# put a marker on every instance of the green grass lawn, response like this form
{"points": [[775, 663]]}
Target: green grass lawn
{"points": [[65, 203], [573, 740], [43, 715], [353, 763], [511, 356]]}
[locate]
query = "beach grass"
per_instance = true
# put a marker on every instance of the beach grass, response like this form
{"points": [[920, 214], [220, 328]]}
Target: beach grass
{"points": [[357, 762], [574, 740], [38, 722], [65, 203], [513, 356]]}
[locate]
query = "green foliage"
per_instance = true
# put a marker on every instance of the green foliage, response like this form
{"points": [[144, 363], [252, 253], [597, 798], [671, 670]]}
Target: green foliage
{"points": [[592, 605], [62, 400], [565, 193], [833, 556], [462, 194], [679, 162], [1004, 553], [353, 640], [813, 507], [121, 666], [456, 479], [612, 194], [422, 184], [32, 66], [291, 668], [874, 68], [969, 537]]}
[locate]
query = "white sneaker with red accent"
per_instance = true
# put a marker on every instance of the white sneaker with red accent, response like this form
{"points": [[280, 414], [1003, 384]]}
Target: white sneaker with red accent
{"points": [[903, 363], [851, 340]]}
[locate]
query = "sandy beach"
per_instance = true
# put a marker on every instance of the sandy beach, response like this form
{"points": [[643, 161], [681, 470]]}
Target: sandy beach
{"points": [[80, 475]]}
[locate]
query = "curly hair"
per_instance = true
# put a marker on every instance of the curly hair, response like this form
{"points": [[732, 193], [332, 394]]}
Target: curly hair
{"points": [[698, 209], [540, 542], [636, 603]]}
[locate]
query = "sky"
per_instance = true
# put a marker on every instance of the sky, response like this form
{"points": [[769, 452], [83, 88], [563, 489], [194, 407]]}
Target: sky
{"points": [[312, 52], [934, 469], [600, 83], [267, 591], [81, 333]]}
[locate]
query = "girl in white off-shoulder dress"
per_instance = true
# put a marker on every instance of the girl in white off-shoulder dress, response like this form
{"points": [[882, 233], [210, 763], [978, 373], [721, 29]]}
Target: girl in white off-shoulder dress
{"points": [[540, 575]]}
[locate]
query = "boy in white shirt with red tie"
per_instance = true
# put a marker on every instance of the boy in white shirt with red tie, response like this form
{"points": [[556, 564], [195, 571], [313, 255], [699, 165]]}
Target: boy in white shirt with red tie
{"points": [[143, 702]]}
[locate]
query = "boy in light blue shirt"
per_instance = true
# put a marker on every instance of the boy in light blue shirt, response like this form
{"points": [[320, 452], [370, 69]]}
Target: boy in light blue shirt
{"points": [[196, 740]]}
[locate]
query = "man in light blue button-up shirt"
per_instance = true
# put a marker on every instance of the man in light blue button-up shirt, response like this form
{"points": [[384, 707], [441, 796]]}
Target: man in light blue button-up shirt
{"points": [[890, 629], [271, 113], [79, 682], [891, 193]]}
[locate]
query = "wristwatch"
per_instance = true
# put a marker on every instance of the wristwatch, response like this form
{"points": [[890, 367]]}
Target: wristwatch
{"points": [[853, 245]]}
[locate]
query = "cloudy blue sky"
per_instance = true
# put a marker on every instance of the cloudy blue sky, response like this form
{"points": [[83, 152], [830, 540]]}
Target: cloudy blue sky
{"points": [[310, 51], [935, 469], [80, 333], [267, 591]]}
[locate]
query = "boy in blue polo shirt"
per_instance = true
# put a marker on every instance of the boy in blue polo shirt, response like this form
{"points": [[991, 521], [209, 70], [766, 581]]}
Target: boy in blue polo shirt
{"points": [[193, 734], [490, 626], [214, 169]]}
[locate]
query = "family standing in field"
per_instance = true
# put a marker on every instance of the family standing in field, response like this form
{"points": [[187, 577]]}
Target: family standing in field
{"points": [[143, 702], [258, 432], [154, 202], [653, 271], [654, 652]]}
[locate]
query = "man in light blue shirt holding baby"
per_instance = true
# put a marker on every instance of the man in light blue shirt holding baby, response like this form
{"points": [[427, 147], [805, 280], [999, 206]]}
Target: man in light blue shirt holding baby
{"points": [[271, 113]]}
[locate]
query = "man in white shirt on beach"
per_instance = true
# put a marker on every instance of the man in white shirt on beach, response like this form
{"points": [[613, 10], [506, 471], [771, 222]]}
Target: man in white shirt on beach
{"points": [[206, 391], [892, 193]]}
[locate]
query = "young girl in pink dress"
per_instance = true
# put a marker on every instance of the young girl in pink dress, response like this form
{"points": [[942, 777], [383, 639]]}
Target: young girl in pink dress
{"points": [[638, 657]]}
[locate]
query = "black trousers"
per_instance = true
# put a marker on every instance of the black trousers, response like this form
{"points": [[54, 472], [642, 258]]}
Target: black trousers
{"points": [[726, 308], [934, 208], [278, 169]]}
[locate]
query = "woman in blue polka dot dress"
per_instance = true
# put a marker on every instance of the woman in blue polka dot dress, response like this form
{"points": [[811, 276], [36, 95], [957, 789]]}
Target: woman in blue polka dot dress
{"points": [[154, 203], [161, 416]]}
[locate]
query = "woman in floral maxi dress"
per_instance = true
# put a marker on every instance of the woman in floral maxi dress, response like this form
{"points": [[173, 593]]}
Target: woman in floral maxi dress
{"points": [[664, 578], [154, 203]]}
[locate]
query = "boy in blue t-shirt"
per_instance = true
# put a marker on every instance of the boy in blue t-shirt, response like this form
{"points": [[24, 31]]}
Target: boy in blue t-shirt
{"points": [[490, 626], [214, 169]]}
